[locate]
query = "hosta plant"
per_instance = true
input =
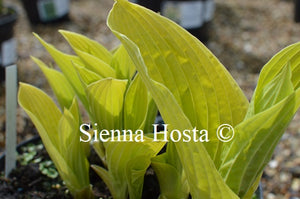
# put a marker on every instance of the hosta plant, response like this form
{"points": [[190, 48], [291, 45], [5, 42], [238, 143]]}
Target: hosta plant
{"points": [[160, 61], [115, 99], [193, 89]]}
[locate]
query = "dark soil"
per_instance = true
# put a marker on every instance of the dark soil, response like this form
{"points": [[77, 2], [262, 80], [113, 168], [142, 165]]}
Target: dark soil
{"points": [[27, 181]]}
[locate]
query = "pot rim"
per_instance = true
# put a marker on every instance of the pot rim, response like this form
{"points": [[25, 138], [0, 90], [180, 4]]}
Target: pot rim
{"points": [[10, 17], [34, 139]]}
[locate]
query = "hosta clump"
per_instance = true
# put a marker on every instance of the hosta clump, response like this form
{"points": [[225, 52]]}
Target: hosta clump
{"points": [[191, 89], [114, 97]]}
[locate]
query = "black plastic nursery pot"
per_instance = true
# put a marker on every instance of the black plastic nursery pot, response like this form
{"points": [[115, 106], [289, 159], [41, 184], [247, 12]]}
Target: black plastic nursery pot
{"points": [[7, 43], [150, 4], [297, 11], [193, 15], [46, 11], [34, 140]]}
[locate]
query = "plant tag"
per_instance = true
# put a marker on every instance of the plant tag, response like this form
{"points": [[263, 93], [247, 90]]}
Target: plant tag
{"points": [[11, 113], [52, 9], [8, 52], [62, 7], [209, 9], [188, 14]]}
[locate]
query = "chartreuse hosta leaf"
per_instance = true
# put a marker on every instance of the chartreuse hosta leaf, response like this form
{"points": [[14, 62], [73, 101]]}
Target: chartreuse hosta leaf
{"points": [[122, 63], [65, 63], [61, 87], [60, 135], [191, 88], [166, 173], [291, 55], [106, 99], [100, 60], [96, 65], [87, 76], [117, 106], [127, 163], [204, 180], [135, 106], [122, 103], [273, 105], [201, 85], [204, 92], [87, 45]]}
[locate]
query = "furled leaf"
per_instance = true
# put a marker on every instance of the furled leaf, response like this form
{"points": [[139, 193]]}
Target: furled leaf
{"points": [[68, 130], [100, 150], [96, 65], [65, 63], [291, 55], [167, 173], [272, 108], [87, 45], [104, 175], [106, 99], [48, 119], [275, 91], [123, 64], [254, 143], [33, 101], [59, 84], [136, 105], [87, 76], [286, 59], [127, 163], [151, 115]]}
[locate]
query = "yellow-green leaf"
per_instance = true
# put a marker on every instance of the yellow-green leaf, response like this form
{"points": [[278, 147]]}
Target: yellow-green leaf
{"points": [[96, 65], [87, 76], [59, 84], [127, 163], [167, 173], [205, 182], [254, 143], [87, 45], [66, 64], [123, 64], [136, 104], [201, 85], [46, 119], [106, 99], [33, 101]]}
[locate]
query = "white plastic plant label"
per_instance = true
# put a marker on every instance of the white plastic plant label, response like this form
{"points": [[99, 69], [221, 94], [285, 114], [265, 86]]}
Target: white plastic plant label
{"points": [[52, 9], [62, 7], [209, 9], [191, 14], [8, 52], [188, 14]]}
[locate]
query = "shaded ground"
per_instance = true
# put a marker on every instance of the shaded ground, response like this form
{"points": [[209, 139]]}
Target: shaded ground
{"points": [[244, 36]]}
